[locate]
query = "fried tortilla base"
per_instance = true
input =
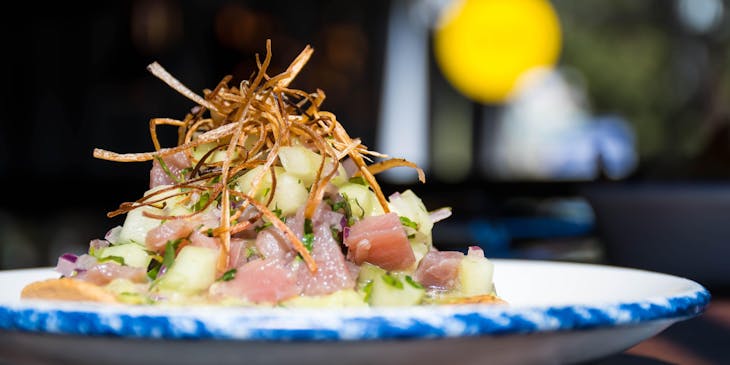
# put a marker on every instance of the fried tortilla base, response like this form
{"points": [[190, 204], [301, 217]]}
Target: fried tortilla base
{"points": [[67, 289]]}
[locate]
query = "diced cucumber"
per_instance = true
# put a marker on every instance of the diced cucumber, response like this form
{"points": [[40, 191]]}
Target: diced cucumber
{"points": [[407, 204], [395, 290], [420, 249], [290, 194], [133, 254], [340, 298], [363, 202], [136, 224], [475, 276], [200, 151], [368, 273], [303, 163], [192, 272], [388, 289], [245, 182], [128, 292]]}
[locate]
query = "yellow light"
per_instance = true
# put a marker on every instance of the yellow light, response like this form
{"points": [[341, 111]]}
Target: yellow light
{"points": [[484, 46]]}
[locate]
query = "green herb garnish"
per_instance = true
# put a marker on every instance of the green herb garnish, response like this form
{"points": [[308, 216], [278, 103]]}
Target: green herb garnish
{"points": [[118, 259], [308, 241], [413, 283], [368, 290], [152, 273], [339, 205], [308, 226], [202, 202], [228, 275], [358, 180], [170, 248], [392, 281], [408, 223]]}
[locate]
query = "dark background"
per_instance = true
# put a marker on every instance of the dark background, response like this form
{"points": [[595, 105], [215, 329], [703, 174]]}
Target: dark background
{"points": [[74, 79]]}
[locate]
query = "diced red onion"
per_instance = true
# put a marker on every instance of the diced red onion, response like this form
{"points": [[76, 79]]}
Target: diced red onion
{"points": [[69, 257], [395, 195], [66, 264], [345, 232], [440, 214]]}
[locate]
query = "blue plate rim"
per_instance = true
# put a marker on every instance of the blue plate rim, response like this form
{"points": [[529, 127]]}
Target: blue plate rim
{"points": [[342, 324]]}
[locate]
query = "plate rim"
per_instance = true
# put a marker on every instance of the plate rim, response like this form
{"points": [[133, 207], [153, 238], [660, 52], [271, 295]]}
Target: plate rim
{"points": [[345, 324]]}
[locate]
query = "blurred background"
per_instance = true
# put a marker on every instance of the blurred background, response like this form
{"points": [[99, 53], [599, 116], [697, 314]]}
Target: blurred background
{"points": [[590, 131]]}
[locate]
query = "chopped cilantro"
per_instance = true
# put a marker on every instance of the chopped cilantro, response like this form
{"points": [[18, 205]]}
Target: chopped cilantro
{"points": [[342, 204], [308, 241], [185, 171], [408, 223], [118, 259], [336, 233], [263, 226], [308, 226], [368, 290], [413, 283], [202, 202], [250, 251], [267, 224], [392, 281], [358, 180], [228, 275], [170, 248], [152, 273]]}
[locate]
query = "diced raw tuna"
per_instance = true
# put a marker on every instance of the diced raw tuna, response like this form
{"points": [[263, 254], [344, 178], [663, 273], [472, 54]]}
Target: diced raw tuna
{"points": [[439, 269], [175, 163], [202, 240], [260, 281], [382, 241], [271, 243], [171, 230], [333, 273], [278, 275], [104, 273], [238, 253]]}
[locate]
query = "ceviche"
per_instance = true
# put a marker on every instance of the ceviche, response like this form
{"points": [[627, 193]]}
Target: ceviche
{"points": [[266, 200]]}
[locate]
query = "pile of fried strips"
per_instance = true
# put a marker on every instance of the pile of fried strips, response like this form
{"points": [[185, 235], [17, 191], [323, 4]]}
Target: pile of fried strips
{"points": [[266, 110]]}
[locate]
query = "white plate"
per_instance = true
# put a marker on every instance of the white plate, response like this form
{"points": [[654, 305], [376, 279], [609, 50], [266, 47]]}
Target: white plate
{"points": [[558, 313]]}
